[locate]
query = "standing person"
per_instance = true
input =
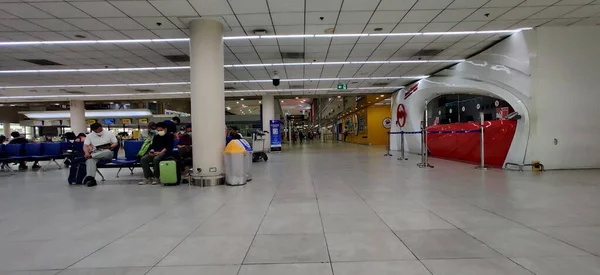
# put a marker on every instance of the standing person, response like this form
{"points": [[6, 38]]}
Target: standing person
{"points": [[18, 139], [97, 146], [301, 135], [162, 146], [233, 134], [172, 124], [148, 133]]}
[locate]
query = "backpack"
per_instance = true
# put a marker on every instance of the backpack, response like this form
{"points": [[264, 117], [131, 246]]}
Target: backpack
{"points": [[145, 147]]}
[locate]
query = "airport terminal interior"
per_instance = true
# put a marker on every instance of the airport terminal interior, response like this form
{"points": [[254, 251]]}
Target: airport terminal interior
{"points": [[322, 137]]}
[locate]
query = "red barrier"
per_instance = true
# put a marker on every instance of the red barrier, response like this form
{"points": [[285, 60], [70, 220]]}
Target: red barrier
{"points": [[498, 136]]}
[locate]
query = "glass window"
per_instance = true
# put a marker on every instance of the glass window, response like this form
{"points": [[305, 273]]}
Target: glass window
{"points": [[464, 108]]}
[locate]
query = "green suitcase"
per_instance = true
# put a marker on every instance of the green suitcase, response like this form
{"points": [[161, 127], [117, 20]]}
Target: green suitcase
{"points": [[169, 174]]}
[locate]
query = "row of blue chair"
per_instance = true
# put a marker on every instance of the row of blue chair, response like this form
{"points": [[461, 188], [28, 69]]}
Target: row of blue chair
{"points": [[32, 152]]}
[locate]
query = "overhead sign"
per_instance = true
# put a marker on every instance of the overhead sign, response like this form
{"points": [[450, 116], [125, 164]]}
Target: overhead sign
{"points": [[342, 86], [91, 121], [143, 121], [401, 115], [296, 117], [126, 120]]}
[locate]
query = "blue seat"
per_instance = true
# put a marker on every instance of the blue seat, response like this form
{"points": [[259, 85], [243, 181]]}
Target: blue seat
{"points": [[4, 162], [14, 151], [33, 150], [130, 161], [51, 152]]}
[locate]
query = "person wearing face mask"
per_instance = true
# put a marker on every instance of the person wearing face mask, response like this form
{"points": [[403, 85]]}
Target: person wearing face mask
{"points": [[97, 146], [149, 133], [162, 147]]}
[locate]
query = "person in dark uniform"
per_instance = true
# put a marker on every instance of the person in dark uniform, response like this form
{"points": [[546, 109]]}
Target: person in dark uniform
{"points": [[172, 124]]}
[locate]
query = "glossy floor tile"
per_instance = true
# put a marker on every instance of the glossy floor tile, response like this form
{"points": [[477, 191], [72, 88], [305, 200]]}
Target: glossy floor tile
{"points": [[318, 209]]}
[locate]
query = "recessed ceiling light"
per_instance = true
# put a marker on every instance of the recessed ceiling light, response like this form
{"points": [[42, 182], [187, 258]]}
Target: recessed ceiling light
{"points": [[237, 102], [339, 96], [282, 101], [382, 95], [154, 101], [259, 102], [241, 99], [297, 98]]}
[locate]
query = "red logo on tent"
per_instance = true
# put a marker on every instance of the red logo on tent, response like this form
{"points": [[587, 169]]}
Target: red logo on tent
{"points": [[411, 91], [401, 115]]}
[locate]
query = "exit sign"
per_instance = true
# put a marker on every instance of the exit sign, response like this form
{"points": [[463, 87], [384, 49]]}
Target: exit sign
{"points": [[342, 86]]}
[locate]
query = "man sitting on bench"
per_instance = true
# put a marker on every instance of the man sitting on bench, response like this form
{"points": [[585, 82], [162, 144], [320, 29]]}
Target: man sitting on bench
{"points": [[97, 146]]}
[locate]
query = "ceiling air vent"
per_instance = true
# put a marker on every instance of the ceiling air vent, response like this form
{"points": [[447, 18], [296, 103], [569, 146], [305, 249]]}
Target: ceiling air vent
{"points": [[429, 52], [296, 86], [381, 84], [292, 55], [144, 91], [229, 88], [177, 58], [41, 62]]}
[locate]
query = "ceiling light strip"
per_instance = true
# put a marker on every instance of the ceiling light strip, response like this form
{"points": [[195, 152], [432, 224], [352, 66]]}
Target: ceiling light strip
{"points": [[188, 83], [251, 37], [187, 93], [227, 66]]}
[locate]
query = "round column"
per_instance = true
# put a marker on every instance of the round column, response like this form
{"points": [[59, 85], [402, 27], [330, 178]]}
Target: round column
{"points": [[268, 114], [6, 126], [78, 122], [207, 101]]}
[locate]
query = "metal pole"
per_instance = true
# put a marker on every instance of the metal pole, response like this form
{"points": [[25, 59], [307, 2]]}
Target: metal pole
{"points": [[402, 146], [388, 146], [424, 155], [482, 145]]}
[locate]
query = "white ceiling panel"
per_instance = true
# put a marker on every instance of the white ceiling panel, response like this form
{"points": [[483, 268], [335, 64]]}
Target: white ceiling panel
{"points": [[122, 23], [553, 12], [432, 4], [23, 10], [54, 24], [502, 3], [60, 9], [383, 17], [296, 18], [151, 23], [258, 19], [174, 8], [359, 5], [21, 25], [320, 5], [354, 17], [249, 6], [284, 6], [98, 9], [487, 14], [585, 11], [396, 4], [574, 2], [467, 4], [538, 3], [211, 7], [136, 8], [520, 13], [453, 15], [88, 24], [417, 16]]}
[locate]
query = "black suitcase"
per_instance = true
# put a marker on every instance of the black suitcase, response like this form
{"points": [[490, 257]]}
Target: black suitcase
{"points": [[77, 171]]}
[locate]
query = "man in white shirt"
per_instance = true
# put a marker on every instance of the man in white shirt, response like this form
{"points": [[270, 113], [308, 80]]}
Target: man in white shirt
{"points": [[97, 146]]}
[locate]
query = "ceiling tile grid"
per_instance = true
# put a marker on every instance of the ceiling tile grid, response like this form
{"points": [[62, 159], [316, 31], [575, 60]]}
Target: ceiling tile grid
{"points": [[29, 20]]}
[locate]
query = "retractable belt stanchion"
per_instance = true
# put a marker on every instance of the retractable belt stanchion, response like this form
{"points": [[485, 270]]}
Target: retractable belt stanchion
{"points": [[388, 145], [402, 146], [482, 144], [424, 157]]}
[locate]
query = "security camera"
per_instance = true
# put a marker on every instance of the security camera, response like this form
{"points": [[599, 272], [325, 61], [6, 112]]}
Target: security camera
{"points": [[276, 80]]}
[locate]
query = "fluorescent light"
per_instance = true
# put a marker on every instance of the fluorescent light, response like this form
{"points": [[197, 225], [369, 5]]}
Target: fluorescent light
{"points": [[249, 37], [88, 114], [226, 66]]}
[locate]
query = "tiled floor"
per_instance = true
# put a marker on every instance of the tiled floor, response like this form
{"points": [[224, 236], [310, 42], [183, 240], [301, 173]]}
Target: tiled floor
{"points": [[316, 209]]}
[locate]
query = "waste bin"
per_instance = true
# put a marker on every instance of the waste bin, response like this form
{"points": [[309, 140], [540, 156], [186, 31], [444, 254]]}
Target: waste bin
{"points": [[249, 161], [237, 168]]}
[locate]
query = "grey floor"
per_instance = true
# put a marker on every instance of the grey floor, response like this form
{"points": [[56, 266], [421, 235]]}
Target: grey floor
{"points": [[316, 209]]}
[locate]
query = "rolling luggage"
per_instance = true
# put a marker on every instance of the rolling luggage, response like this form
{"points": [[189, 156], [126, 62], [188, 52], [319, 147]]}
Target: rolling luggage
{"points": [[77, 171], [169, 173]]}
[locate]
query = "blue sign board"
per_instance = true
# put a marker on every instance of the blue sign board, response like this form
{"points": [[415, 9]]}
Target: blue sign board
{"points": [[275, 135]]}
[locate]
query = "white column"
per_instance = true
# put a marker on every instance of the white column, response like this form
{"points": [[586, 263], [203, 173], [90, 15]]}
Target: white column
{"points": [[78, 122], [207, 100], [6, 125], [268, 114]]}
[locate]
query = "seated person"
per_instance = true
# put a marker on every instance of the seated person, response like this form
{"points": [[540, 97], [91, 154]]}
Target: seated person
{"points": [[80, 138], [96, 147], [148, 133], [3, 153], [184, 147], [18, 139], [2, 139], [162, 146]]}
